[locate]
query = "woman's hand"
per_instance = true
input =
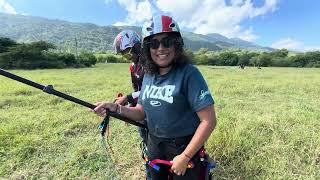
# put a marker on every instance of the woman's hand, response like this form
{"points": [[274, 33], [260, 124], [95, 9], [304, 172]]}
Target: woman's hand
{"points": [[102, 107], [133, 113], [123, 100], [180, 164]]}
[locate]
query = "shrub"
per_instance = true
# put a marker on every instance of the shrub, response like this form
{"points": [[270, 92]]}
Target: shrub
{"points": [[87, 59]]}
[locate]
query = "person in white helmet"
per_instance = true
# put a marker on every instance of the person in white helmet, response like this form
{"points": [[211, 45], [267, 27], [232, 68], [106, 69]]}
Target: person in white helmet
{"points": [[175, 101], [128, 44]]}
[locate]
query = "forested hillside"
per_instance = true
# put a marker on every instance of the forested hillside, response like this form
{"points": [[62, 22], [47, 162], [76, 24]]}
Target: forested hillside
{"points": [[68, 35]]}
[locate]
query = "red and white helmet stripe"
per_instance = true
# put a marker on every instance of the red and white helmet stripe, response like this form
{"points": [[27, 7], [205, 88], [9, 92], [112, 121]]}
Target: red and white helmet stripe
{"points": [[160, 24]]}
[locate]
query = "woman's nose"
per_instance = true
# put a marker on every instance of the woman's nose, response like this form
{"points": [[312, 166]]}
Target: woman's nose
{"points": [[161, 46]]}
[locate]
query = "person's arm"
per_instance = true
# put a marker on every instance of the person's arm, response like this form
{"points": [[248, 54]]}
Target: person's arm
{"points": [[203, 132], [131, 98], [208, 122], [134, 113]]}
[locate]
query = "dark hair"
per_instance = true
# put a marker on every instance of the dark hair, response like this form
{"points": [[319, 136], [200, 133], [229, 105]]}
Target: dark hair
{"points": [[136, 48], [180, 57]]}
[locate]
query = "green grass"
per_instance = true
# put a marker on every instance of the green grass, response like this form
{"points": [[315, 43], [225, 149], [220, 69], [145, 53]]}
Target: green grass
{"points": [[268, 125]]}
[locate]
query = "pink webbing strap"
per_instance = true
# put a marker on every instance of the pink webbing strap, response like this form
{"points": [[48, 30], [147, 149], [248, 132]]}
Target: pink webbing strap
{"points": [[154, 163], [160, 161]]}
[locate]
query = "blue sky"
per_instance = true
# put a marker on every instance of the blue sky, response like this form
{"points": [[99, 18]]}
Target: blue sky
{"points": [[291, 24]]}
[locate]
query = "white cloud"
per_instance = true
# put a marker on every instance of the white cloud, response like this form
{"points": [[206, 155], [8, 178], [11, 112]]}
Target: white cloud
{"points": [[248, 35], [6, 7], [293, 45], [269, 5], [203, 17], [215, 16], [138, 12]]}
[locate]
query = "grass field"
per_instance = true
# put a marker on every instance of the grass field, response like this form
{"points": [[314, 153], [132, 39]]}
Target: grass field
{"points": [[268, 125]]}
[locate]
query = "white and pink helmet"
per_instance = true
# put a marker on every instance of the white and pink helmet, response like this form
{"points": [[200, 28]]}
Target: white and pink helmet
{"points": [[125, 39]]}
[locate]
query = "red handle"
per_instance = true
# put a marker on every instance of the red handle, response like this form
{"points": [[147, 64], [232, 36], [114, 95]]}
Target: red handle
{"points": [[169, 163]]}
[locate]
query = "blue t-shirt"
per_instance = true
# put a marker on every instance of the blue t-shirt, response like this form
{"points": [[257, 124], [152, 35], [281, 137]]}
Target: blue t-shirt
{"points": [[171, 101]]}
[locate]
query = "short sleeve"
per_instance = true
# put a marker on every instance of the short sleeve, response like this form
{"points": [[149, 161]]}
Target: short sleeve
{"points": [[196, 90]]}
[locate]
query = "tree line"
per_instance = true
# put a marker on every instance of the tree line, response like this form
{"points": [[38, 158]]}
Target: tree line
{"points": [[40, 55], [277, 58]]}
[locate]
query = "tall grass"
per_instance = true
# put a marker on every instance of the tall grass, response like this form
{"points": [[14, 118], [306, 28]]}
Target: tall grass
{"points": [[268, 125]]}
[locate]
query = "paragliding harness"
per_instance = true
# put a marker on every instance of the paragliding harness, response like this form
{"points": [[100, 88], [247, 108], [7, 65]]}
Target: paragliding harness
{"points": [[207, 165]]}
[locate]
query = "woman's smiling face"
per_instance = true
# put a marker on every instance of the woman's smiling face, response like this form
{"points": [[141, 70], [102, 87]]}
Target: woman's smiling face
{"points": [[162, 56]]}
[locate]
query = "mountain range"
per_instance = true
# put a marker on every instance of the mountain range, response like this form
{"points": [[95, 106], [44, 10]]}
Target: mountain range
{"points": [[92, 37]]}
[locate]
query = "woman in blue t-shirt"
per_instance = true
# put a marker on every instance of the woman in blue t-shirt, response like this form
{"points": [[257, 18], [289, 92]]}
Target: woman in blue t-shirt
{"points": [[175, 101]]}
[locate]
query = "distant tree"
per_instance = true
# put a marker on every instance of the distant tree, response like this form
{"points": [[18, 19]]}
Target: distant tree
{"points": [[38, 55], [282, 53], [101, 57], [244, 58], [59, 60], [228, 58], [213, 59], [313, 59], [264, 59], [280, 62], [298, 60], [86, 58], [201, 59], [48, 60], [22, 56], [110, 59], [6, 61], [41, 46], [5, 44], [254, 61], [68, 59], [202, 51], [189, 53]]}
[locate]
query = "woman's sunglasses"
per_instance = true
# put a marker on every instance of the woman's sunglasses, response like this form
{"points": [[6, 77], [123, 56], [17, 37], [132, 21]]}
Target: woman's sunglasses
{"points": [[166, 42]]}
